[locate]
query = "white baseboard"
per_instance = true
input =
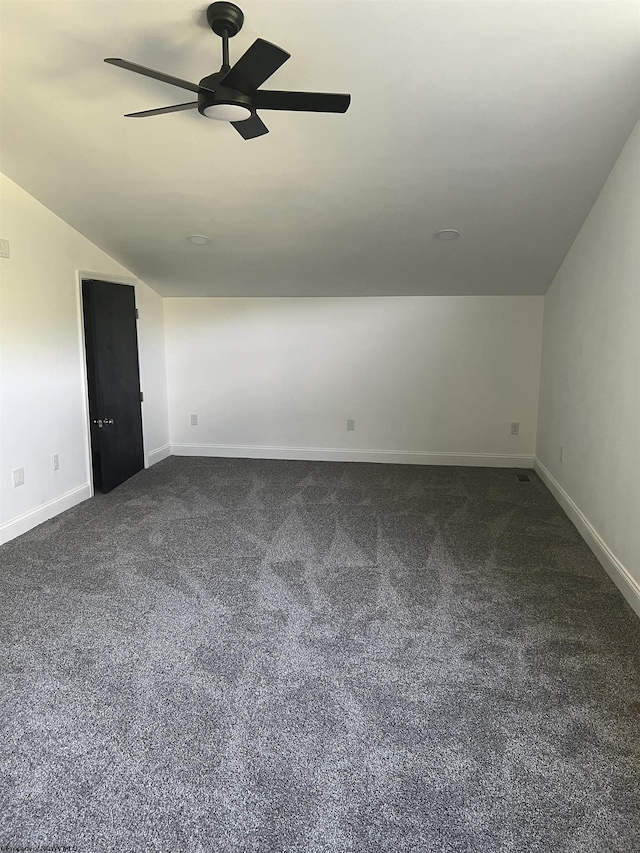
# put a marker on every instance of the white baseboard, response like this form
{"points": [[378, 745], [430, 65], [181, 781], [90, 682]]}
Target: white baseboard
{"points": [[17, 526], [158, 454], [333, 454], [618, 573]]}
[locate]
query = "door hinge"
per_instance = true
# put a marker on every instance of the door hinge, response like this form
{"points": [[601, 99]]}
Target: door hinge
{"points": [[141, 397], [137, 314]]}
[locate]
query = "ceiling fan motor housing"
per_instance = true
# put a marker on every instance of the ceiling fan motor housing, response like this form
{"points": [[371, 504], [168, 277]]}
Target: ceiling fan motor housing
{"points": [[222, 97]]}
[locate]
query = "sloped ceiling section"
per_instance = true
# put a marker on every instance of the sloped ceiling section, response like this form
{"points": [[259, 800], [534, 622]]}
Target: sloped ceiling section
{"points": [[499, 119]]}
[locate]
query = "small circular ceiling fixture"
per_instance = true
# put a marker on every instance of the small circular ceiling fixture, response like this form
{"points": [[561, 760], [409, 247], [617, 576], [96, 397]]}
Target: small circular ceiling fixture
{"points": [[198, 239], [448, 234], [227, 112]]}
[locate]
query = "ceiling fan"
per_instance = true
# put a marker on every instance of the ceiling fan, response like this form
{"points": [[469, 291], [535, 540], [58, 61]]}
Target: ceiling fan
{"points": [[232, 94]]}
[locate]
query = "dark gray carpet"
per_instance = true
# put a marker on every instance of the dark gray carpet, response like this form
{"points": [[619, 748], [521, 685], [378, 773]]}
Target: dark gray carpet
{"points": [[235, 655]]}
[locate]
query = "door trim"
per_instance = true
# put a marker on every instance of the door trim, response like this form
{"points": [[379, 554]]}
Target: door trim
{"points": [[114, 279]]}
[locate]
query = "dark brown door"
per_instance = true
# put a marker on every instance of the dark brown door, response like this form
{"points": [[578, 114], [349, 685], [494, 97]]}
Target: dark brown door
{"points": [[111, 343]]}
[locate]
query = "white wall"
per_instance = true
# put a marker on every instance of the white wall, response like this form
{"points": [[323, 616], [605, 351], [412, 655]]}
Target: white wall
{"points": [[590, 377], [153, 373], [41, 362], [428, 379]]}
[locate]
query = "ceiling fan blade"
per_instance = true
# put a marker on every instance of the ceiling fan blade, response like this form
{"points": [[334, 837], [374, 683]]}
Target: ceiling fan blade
{"points": [[313, 102], [251, 128], [255, 66], [162, 110], [156, 75]]}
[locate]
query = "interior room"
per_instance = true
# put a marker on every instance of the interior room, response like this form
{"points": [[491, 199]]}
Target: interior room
{"points": [[320, 426]]}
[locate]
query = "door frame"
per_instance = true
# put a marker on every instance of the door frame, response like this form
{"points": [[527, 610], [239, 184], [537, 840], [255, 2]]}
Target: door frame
{"points": [[82, 275]]}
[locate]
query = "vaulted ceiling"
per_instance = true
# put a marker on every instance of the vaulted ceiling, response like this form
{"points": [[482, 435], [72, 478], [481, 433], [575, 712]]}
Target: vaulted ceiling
{"points": [[498, 119]]}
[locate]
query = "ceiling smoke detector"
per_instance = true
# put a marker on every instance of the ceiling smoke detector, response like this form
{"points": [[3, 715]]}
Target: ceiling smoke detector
{"points": [[198, 239], [448, 234]]}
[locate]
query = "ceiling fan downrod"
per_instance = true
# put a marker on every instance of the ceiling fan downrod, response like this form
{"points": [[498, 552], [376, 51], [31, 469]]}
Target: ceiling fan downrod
{"points": [[225, 51], [226, 20]]}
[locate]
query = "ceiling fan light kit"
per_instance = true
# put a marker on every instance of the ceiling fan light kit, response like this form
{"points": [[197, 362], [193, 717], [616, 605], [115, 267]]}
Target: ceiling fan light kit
{"points": [[227, 112], [232, 94]]}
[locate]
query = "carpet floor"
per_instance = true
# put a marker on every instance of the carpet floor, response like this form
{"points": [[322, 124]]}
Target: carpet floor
{"points": [[228, 656]]}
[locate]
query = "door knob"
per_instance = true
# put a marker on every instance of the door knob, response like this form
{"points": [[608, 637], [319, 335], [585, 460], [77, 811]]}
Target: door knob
{"points": [[99, 422]]}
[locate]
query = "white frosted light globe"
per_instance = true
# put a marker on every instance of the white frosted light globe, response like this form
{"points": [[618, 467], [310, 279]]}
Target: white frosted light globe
{"points": [[227, 112]]}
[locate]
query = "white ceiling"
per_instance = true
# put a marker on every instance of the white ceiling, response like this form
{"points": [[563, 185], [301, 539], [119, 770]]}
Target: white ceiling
{"points": [[499, 119]]}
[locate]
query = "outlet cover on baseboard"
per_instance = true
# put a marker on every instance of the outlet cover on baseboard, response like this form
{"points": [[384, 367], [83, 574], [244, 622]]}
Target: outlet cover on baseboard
{"points": [[17, 476], [194, 420], [515, 427], [4, 249], [351, 423]]}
